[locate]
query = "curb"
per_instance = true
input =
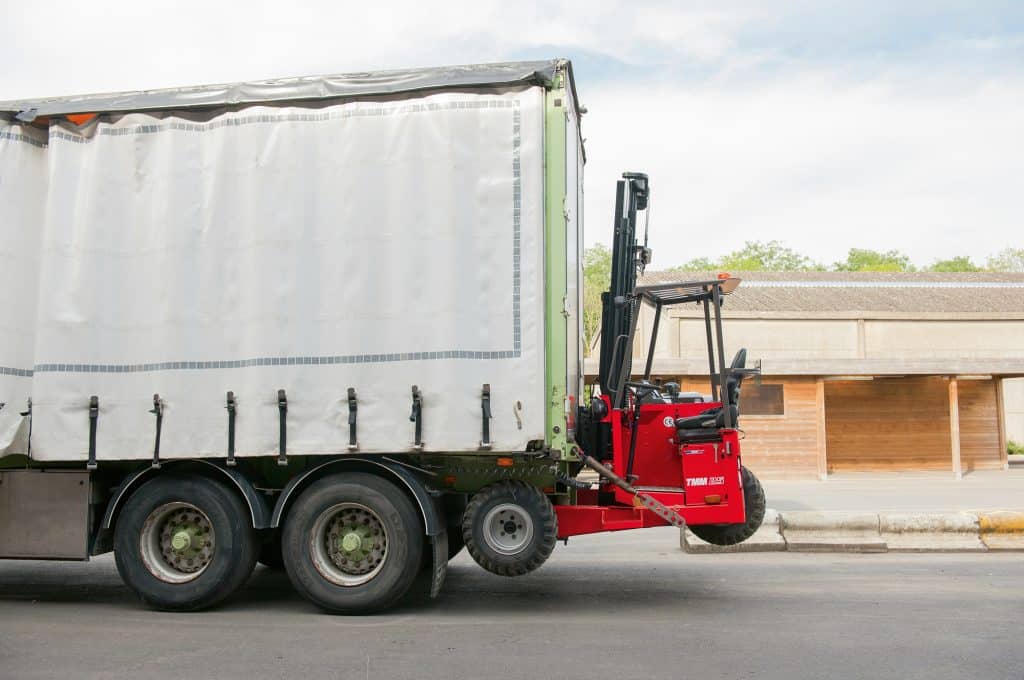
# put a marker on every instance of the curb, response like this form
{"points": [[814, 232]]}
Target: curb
{"points": [[766, 539], [861, 532], [1002, 530], [945, 532], [831, 532]]}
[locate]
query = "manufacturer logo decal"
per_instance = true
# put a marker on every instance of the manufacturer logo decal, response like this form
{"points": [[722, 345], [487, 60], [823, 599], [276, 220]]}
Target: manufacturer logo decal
{"points": [[704, 481], [669, 422]]}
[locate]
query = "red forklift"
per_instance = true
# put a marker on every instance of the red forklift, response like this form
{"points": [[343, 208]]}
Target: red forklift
{"points": [[663, 456]]}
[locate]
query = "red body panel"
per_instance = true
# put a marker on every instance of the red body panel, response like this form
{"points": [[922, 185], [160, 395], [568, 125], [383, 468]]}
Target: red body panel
{"points": [[701, 482]]}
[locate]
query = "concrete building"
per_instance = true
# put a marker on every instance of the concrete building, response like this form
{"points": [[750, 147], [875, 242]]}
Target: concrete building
{"points": [[863, 371]]}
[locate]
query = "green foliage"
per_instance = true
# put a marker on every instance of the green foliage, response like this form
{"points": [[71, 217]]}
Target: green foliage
{"points": [[772, 256], [754, 256], [960, 263], [1006, 260], [699, 264], [1014, 448], [597, 273], [864, 260]]}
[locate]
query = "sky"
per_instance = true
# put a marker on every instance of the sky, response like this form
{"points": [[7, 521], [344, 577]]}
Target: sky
{"points": [[825, 125]]}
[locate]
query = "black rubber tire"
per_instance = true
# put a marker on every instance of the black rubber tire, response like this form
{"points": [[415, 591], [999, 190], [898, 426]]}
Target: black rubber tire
{"points": [[731, 534], [533, 501], [234, 555], [402, 525], [270, 553]]}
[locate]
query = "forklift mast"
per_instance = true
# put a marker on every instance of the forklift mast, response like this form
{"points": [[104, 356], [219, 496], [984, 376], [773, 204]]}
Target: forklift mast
{"points": [[628, 258]]}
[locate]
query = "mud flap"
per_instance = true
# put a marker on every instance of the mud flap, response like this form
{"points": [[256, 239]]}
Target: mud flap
{"points": [[440, 566], [433, 569]]}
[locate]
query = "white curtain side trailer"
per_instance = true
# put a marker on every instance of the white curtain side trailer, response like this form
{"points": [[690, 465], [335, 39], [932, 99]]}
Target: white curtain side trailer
{"points": [[284, 242]]}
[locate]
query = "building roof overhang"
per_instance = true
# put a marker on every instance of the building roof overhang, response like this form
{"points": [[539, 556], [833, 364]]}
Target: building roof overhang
{"points": [[1001, 367]]}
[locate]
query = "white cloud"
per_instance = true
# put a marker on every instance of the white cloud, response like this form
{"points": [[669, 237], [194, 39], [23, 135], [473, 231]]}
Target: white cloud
{"points": [[822, 163], [102, 46], [900, 132]]}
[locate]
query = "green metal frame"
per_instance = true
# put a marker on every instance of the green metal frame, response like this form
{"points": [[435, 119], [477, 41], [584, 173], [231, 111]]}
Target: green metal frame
{"points": [[555, 257]]}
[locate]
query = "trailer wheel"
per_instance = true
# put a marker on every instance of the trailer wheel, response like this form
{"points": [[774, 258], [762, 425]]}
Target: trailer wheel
{"points": [[731, 534], [184, 543], [510, 528], [352, 543]]}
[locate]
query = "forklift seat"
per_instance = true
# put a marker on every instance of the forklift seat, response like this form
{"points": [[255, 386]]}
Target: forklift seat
{"points": [[702, 425], [712, 419], [698, 436]]}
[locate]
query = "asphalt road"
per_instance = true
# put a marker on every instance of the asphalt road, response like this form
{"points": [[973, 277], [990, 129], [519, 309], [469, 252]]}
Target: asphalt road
{"points": [[615, 606]]}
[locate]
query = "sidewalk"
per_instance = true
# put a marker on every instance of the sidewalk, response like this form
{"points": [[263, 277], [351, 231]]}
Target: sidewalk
{"points": [[900, 492], [916, 512]]}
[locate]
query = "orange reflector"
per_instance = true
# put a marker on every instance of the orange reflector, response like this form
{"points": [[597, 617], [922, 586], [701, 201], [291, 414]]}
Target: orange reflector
{"points": [[449, 481], [80, 118], [505, 462], [713, 499], [723, 275], [548, 489]]}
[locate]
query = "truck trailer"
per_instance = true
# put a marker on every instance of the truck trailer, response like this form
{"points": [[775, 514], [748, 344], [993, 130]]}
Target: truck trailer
{"points": [[333, 324]]}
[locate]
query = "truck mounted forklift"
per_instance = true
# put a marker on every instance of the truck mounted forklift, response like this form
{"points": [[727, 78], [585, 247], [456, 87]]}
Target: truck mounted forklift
{"points": [[266, 417]]}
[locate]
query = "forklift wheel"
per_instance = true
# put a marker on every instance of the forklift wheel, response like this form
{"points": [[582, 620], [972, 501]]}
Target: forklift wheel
{"points": [[510, 528], [731, 534]]}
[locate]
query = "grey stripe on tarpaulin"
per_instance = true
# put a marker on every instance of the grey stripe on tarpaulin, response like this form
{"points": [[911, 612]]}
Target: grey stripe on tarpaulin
{"points": [[19, 137], [514, 353], [275, 361], [517, 195]]}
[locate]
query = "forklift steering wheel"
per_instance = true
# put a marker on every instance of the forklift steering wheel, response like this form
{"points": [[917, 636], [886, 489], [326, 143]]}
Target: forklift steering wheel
{"points": [[650, 387]]}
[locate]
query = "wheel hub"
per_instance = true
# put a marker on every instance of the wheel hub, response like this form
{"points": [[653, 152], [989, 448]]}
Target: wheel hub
{"points": [[508, 528], [181, 541], [349, 544], [177, 542]]}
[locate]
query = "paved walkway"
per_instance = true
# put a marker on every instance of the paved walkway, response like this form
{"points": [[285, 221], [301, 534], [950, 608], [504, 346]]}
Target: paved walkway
{"points": [[901, 492]]}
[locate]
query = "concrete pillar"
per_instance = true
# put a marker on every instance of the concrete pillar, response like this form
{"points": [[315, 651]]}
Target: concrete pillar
{"points": [[954, 427], [819, 413]]}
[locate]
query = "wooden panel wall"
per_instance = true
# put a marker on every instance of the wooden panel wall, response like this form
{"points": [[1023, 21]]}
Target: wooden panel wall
{"points": [[979, 426], [888, 424], [880, 425], [779, 446]]}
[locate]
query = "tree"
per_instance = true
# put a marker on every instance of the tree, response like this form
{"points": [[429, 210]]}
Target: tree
{"points": [[597, 274], [863, 260], [960, 263], [772, 256], [1007, 260], [698, 264]]}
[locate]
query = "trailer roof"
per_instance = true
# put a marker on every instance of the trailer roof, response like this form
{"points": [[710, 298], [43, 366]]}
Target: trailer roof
{"points": [[680, 292], [308, 88]]}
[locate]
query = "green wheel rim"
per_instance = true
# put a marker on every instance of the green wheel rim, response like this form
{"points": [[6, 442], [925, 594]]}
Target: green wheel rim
{"points": [[349, 544]]}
